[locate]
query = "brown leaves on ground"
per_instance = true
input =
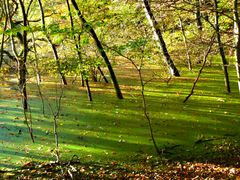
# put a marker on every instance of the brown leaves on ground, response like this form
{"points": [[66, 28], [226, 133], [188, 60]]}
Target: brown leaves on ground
{"points": [[77, 170]]}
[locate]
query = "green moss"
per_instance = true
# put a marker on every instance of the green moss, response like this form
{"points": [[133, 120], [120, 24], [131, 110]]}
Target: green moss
{"points": [[109, 129]]}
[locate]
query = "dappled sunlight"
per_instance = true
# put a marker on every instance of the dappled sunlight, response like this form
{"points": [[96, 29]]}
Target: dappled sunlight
{"points": [[108, 129]]}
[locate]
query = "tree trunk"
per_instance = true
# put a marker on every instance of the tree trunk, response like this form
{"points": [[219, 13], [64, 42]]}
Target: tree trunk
{"points": [[3, 35], [237, 40], [22, 62], [88, 90], [220, 47], [198, 15], [159, 38], [82, 80], [101, 72], [22, 69], [100, 49]]}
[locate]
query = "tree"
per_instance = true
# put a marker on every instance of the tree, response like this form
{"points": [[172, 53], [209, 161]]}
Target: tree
{"points": [[100, 49], [23, 60], [21, 56], [159, 38], [78, 49], [237, 39], [3, 15], [198, 15], [220, 47]]}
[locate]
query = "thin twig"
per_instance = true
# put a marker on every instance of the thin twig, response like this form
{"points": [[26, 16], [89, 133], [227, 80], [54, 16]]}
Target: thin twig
{"points": [[142, 83], [206, 53], [55, 115]]}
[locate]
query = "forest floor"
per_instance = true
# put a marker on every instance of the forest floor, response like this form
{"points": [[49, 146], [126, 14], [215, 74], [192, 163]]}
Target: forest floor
{"points": [[78, 170], [109, 138]]}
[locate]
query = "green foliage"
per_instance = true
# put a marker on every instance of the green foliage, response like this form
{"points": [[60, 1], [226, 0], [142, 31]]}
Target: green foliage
{"points": [[132, 45]]}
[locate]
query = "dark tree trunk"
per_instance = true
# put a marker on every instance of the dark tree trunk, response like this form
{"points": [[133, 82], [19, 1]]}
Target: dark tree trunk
{"points": [[158, 36], [93, 74], [100, 49], [22, 61], [82, 80], [88, 90], [220, 47], [198, 15], [3, 35], [101, 72]]}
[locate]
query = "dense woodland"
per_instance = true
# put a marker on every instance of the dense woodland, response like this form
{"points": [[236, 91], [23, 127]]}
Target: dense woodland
{"points": [[144, 52]]}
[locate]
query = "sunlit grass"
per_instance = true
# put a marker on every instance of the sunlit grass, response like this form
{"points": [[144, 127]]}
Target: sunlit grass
{"points": [[109, 129]]}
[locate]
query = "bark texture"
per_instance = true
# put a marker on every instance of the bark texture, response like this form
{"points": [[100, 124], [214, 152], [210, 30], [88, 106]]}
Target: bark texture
{"points": [[159, 38], [237, 39], [220, 47]]}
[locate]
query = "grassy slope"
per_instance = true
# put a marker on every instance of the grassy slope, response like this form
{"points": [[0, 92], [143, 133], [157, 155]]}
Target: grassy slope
{"points": [[108, 129]]}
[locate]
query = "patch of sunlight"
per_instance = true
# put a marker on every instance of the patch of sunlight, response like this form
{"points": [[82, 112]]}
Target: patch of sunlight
{"points": [[83, 149]]}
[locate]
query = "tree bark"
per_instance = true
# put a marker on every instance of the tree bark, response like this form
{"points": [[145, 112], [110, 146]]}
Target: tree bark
{"points": [[237, 40], [88, 90], [100, 49], [101, 72], [220, 47], [159, 38], [3, 35], [22, 62], [22, 69], [198, 15]]}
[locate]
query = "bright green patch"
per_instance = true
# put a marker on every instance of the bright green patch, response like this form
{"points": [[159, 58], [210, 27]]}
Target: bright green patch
{"points": [[109, 129]]}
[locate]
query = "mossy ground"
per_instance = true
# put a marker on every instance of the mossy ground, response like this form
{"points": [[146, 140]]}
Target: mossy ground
{"points": [[112, 130]]}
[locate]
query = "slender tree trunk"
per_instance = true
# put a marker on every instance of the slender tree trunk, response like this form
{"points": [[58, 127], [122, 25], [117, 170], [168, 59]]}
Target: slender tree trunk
{"points": [[101, 72], [53, 46], [23, 73], [206, 53], [3, 35], [14, 50], [93, 74], [88, 90], [146, 112], [22, 70], [220, 47], [22, 63], [237, 40], [82, 80], [159, 38], [78, 48], [100, 49], [198, 15]]}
